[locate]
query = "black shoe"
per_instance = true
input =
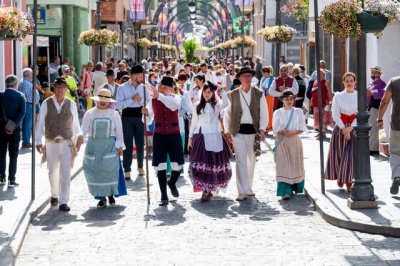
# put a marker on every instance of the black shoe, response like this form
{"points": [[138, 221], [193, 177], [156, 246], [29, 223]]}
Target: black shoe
{"points": [[12, 184], [373, 153], [111, 200], [2, 181], [394, 189], [174, 190], [163, 203], [64, 208], [53, 201], [102, 203]]}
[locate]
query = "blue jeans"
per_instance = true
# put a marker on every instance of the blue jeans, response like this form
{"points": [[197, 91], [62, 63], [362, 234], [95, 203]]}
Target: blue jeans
{"points": [[27, 125]]}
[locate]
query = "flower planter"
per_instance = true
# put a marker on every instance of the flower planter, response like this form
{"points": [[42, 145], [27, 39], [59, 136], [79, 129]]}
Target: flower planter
{"points": [[3, 33], [372, 23], [276, 40]]}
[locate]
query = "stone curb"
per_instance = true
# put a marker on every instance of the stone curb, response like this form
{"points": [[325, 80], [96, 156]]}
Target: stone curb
{"points": [[332, 215], [34, 210]]}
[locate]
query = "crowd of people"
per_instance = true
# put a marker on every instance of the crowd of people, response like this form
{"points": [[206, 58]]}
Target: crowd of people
{"points": [[213, 112]]}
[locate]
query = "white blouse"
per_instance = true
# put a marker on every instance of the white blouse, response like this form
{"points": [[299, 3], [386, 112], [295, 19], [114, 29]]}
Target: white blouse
{"points": [[345, 103], [281, 118], [209, 119], [116, 124]]}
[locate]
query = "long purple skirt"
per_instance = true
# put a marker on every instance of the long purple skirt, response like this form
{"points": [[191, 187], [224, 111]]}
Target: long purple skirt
{"points": [[209, 171]]}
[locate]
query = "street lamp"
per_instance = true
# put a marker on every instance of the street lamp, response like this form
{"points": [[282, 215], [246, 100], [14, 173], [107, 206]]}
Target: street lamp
{"points": [[192, 6], [362, 195]]}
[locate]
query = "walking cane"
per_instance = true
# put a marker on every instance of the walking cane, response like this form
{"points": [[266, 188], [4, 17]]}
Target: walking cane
{"points": [[147, 147]]}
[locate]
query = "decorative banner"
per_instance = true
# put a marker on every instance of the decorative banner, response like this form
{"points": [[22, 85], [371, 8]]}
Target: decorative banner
{"points": [[173, 26], [162, 18], [223, 16], [243, 2], [137, 11]]}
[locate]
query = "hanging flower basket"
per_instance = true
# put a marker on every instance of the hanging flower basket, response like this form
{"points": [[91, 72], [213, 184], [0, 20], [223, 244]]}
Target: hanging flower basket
{"points": [[279, 34], [372, 23], [15, 24], [98, 37]]}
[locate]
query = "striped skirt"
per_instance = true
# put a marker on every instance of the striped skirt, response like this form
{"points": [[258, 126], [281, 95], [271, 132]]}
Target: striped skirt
{"points": [[340, 163]]}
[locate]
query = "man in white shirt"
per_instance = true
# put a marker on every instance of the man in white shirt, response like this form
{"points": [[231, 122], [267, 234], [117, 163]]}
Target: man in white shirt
{"points": [[245, 120], [209, 75], [230, 76], [58, 121], [281, 83]]}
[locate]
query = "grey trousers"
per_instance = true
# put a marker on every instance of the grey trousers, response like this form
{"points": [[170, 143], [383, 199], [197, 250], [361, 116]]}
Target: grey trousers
{"points": [[374, 133], [394, 146]]}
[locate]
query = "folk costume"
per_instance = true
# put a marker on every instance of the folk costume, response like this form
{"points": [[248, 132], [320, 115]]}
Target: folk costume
{"points": [[167, 139], [101, 163], [289, 82], [340, 162], [209, 169], [59, 123], [288, 151], [132, 123], [245, 116], [265, 85]]}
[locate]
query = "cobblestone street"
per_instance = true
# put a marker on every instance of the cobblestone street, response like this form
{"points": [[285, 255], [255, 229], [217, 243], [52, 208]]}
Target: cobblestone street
{"points": [[260, 231]]}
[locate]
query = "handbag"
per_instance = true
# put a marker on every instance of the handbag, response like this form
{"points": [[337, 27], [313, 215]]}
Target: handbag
{"points": [[278, 142], [10, 125]]}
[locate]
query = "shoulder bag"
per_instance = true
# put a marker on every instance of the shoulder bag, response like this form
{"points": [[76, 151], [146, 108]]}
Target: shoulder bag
{"points": [[10, 125]]}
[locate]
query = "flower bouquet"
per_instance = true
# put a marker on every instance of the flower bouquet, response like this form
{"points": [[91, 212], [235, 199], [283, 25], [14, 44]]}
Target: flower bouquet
{"points": [[98, 37], [14, 23], [278, 33]]}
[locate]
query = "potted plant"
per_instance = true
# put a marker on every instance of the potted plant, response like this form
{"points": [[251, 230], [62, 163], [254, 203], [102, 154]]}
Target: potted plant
{"points": [[278, 33], [14, 23], [98, 37], [377, 14]]}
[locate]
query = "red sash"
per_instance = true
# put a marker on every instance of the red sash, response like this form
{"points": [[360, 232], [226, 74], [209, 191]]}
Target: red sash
{"points": [[347, 119]]}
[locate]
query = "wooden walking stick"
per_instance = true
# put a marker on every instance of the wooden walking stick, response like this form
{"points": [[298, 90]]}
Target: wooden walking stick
{"points": [[147, 147]]}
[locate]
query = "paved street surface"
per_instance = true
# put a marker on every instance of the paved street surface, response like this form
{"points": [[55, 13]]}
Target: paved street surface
{"points": [[261, 231]]}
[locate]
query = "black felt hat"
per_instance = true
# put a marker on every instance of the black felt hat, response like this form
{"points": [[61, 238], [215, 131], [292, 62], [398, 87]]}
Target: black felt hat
{"points": [[137, 69], [244, 70], [167, 81]]}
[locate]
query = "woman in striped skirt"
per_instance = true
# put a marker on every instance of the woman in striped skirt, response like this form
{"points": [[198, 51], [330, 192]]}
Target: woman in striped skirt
{"points": [[340, 163]]}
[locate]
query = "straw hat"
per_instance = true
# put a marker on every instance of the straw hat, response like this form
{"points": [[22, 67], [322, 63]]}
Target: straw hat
{"points": [[103, 95]]}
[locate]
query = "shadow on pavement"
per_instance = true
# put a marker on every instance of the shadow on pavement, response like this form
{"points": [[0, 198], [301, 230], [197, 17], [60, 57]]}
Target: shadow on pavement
{"points": [[53, 219], [341, 193], [299, 205], [138, 184], [8, 194], [103, 217], [166, 215], [217, 207]]}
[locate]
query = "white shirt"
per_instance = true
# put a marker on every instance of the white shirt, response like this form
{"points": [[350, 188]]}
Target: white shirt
{"points": [[99, 78], [110, 87], [281, 117], [194, 95], [344, 103], [186, 108], [116, 124], [246, 115], [209, 119], [40, 126], [273, 90], [210, 76]]}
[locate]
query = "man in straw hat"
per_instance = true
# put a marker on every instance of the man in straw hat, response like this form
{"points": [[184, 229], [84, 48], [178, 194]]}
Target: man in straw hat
{"points": [[130, 100], [167, 139], [101, 164], [245, 122], [375, 91], [58, 122]]}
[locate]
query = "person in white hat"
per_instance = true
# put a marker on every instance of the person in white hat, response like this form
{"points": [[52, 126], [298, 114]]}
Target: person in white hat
{"points": [[101, 163]]}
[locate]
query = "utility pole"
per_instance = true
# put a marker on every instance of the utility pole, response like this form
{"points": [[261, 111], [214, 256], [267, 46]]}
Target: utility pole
{"points": [[242, 29], [278, 44], [98, 25]]}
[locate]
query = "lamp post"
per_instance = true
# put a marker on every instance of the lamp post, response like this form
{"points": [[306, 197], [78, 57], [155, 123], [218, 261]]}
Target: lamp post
{"points": [[34, 63], [98, 25], [277, 44], [242, 31], [362, 195]]}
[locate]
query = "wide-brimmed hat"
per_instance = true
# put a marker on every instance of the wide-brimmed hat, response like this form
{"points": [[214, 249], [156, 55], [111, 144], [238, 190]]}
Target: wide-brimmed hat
{"points": [[103, 95], [137, 69], [376, 68], [245, 70]]}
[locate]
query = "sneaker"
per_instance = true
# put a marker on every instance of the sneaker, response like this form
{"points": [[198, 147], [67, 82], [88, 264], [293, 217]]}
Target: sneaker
{"points": [[241, 197], [12, 184], [394, 189], [64, 208], [53, 201], [111, 200]]}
